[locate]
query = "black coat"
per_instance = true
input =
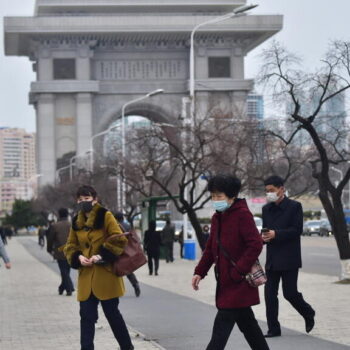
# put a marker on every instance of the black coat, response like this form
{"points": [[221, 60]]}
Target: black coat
{"points": [[283, 252], [152, 242]]}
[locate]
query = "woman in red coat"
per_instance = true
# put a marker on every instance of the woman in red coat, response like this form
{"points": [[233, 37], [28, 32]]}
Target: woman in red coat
{"points": [[233, 226]]}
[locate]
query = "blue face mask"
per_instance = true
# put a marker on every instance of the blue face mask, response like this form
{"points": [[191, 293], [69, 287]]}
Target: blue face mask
{"points": [[220, 205]]}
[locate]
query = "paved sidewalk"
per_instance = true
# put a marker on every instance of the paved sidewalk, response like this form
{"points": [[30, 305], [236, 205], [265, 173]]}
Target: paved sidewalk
{"points": [[331, 301], [34, 317]]}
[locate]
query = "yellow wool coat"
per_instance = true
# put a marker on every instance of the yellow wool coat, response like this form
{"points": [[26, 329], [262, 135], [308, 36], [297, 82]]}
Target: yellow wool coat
{"points": [[87, 237]]}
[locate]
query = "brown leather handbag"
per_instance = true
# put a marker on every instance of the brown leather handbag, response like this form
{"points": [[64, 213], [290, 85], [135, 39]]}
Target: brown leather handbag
{"points": [[132, 257]]}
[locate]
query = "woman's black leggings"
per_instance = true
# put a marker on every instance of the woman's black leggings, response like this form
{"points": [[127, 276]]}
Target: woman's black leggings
{"points": [[244, 317]]}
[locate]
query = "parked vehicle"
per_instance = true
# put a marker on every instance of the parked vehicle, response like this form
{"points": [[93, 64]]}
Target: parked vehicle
{"points": [[178, 227], [325, 228], [312, 227], [160, 225], [258, 223]]}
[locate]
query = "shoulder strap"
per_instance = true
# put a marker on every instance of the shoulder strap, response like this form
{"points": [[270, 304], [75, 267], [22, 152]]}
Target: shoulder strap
{"points": [[227, 256]]}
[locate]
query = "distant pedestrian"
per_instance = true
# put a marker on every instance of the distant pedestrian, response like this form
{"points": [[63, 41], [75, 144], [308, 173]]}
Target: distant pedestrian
{"points": [[283, 226], [168, 238], [4, 255], [41, 236], [88, 250], [3, 235], [152, 243], [181, 242], [206, 232], [235, 237], [131, 277], [57, 237]]}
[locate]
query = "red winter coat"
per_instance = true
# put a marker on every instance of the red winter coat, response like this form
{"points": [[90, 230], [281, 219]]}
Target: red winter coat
{"points": [[241, 239]]}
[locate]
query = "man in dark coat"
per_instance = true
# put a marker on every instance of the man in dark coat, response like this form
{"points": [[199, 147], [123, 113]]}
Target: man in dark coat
{"points": [[57, 237], [283, 225], [168, 238]]}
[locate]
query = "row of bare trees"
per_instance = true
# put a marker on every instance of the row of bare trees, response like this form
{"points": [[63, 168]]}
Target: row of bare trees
{"points": [[175, 160]]}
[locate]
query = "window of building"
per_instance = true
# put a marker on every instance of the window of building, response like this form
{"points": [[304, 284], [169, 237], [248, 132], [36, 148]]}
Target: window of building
{"points": [[219, 67], [64, 68]]}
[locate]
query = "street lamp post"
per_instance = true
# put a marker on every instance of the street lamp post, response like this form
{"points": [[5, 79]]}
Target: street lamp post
{"points": [[150, 94], [239, 11], [71, 163]]}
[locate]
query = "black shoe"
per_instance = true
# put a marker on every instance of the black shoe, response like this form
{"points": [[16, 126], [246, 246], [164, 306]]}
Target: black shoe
{"points": [[156, 273], [309, 323], [60, 291], [69, 294], [137, 290], [150, 273], [272, 335]]}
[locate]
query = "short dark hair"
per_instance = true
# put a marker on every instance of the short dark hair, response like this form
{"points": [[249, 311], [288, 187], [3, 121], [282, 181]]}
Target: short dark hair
{"points": [[274, 180], [63, 213], [119, 216], [86, 190], [228, 184]]}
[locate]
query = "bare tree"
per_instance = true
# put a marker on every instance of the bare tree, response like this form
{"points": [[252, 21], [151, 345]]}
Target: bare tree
{"points": [[307, 95]]}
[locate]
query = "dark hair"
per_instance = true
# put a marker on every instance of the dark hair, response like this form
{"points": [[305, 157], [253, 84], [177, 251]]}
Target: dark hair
{"points": [[119, 216], [167, 221], [63, 213], [86, 190], [228, 184], [274, 180]]}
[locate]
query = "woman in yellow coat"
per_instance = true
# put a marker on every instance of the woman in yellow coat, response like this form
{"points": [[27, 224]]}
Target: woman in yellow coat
{"points": [[87, 250]]}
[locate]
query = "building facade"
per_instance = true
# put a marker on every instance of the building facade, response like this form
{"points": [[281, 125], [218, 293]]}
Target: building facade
{"points": [[92, 57], [17, 167]]}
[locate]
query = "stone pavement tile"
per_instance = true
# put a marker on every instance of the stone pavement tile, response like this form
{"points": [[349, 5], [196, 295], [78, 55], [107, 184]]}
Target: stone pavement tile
{"points": [[34, 317], [331, 301]]}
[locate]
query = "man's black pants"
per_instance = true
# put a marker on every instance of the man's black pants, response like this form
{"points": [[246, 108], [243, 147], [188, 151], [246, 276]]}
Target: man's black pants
{"points": [[89, 316], [66, 283], [244, 317], [290, 293]]}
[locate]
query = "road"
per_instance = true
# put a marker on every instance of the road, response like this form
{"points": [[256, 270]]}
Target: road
{"points": [[178, 322]]}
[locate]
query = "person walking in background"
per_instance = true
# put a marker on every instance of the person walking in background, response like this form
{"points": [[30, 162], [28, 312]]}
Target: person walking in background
{"points": [[88, 250], [56, 239], [168, 238], [282, 228], [41, 236], [206, 232], [181, 242], [126, 227], [235, 237], [4, 255], [152, 243]]}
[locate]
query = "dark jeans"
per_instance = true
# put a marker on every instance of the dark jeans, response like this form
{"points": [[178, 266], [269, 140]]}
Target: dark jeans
{"points": [[133, 280], [153, 256], [89, 316], [244, 317], [181, 250], [290, 293], [168, 249], [66, 283]]}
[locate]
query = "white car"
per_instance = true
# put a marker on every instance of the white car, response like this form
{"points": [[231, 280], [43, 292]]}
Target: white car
{"points": [[258, 223]]}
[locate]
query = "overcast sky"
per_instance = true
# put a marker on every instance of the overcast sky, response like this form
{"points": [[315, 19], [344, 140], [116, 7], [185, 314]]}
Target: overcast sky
{"points": [[309, 25]]}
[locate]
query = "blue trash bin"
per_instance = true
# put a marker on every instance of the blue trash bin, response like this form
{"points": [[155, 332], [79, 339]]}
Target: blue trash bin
{"points": [[190, 249]]}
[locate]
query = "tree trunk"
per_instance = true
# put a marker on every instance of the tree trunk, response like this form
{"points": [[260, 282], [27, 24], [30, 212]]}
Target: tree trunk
{"points": [[336, 216], [192, 215]]}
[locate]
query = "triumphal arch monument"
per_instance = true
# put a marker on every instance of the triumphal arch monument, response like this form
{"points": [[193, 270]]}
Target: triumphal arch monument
{"points": [[93, 56]]}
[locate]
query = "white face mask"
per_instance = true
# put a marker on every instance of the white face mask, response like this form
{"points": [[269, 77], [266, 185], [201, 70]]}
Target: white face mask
{"points": [[271, 197]]}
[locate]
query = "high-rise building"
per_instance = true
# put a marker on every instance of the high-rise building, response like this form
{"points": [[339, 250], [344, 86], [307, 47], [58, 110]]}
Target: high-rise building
{"points": [[255, 106], [17, 167]]}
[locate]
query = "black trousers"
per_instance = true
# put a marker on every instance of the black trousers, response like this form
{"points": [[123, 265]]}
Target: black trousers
{"points": [[66, 283], [89, 316], [244, 317], [153, 257], [133, 280], [290, 293], [168, 249]]}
